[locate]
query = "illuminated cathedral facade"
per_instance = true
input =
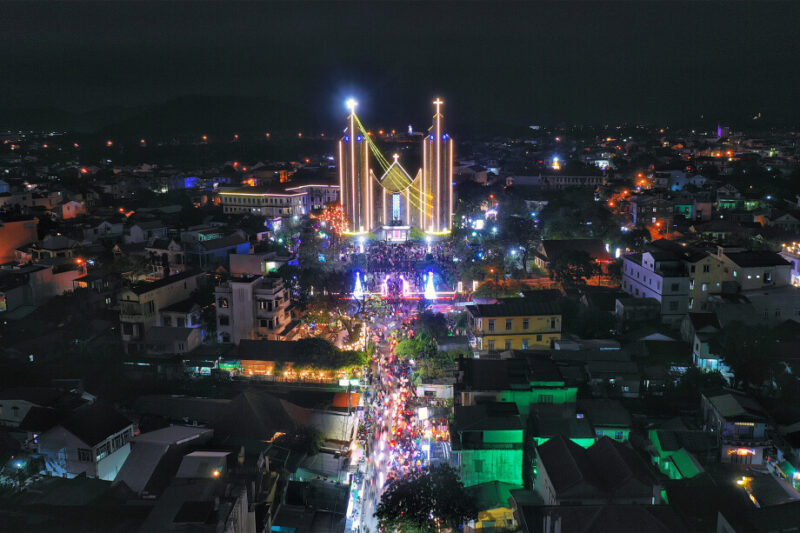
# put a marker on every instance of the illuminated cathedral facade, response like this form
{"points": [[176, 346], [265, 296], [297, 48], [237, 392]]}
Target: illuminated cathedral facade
{"points": [[380, 196]]}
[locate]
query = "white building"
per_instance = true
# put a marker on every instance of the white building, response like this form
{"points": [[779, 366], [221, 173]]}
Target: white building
{"points": [[661, 276], [253, 307], [92, 440]]}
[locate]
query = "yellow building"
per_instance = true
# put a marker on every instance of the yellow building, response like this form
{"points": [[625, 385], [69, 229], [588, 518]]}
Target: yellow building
{"points": [[515, 324]]}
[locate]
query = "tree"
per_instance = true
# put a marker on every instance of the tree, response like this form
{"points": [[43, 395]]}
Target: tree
{"points": [[572, 267], [435, 324], [426, 502], [749, 351], [520, 232]]}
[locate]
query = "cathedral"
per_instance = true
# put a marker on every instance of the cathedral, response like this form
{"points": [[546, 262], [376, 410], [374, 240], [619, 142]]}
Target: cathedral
{"points": [[380, 196]]}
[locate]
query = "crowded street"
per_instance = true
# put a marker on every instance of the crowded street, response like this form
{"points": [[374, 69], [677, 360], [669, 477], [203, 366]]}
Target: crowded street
{"points": [[398, 435]]}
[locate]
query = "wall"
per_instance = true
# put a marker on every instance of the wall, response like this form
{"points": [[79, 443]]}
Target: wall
{"points": [[498, 465], [14, 234]]}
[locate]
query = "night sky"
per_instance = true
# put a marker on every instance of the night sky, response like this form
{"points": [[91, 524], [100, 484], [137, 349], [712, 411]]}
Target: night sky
{"points": [[495, 63]]}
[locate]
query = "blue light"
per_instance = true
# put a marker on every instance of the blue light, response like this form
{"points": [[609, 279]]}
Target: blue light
{"points": [[432, 137], [444, 137], [347, 138], [359, 138]]}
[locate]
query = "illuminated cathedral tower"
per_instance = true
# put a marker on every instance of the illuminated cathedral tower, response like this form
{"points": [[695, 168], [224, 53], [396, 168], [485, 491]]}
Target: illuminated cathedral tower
{"points": [[437, 176], [355, 191], [393, 203]]}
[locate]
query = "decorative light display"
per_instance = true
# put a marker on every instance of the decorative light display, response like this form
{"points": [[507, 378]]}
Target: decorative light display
{"points": [[430, 290], [358, 291], [333, 216]]}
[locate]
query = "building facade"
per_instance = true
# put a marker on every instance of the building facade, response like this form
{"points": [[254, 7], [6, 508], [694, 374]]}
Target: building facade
{"points": [[254, 308], [514, 324], [141, 305]]}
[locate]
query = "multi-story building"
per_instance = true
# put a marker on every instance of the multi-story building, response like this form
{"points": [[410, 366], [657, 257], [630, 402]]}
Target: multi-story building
{"points": [[141, 305], [269, 201], [755, 269], [659, 275], [740, 425], [647, 209], [253, 307], [514, 324], [487, 443], [316, 195]]}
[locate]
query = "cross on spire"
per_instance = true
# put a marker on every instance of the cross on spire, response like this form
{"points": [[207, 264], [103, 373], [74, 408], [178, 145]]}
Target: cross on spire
{"points": [[438, 102]]}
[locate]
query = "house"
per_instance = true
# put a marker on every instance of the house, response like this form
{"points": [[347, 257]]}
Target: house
{"points": [[70, 209], [156, 454], [216, 251], [514, 324], [740, 425], [204, 496], [92, 440], [495, 510], [700, 329], [755, 269], [166, 257], [524, 381], [172, 340], [661, 276], [606, 472], [680, 454], [550, 250], [139, 232], [16, 232], [141, 305], [487, 443], [253, 307], [607, 417], [606, 518]]}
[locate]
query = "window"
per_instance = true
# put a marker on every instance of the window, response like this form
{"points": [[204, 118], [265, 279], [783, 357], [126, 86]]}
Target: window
{"points": [[704, 287], [546, 398], [524, 347], [508, 324], [674, 287], [167, 320], [491, 325], [84, 455], [127, 328], [508, 345], [223, 303], [553, 322], [262, 323], [691, 269], [477, 465], [538, 338], [151, 307], [491, 345], [102, 451], [735, 273], [691, 284], [706, 268], [691, 303], [767, 277], [618, 435], [673, 305], [224, 320], [526, 323]]}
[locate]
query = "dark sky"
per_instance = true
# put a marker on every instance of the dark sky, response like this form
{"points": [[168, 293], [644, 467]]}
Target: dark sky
{"points": [[495, 61]]}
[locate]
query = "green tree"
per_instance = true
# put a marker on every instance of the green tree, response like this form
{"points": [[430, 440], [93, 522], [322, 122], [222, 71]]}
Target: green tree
{"points": [[572, 267], [426, 502], [750, 353]]}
